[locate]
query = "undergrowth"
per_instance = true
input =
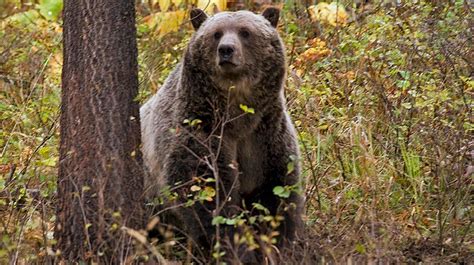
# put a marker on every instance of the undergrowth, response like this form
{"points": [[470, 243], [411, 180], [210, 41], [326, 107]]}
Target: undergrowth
{"points": [[382, 105]]}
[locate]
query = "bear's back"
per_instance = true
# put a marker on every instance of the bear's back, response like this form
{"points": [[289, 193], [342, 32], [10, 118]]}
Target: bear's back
{"points": [[157, 120]]}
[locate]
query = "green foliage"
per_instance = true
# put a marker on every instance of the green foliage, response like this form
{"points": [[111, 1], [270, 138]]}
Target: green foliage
{"points": [[193, 122], [30, 61], [246, 109], [283, 192], [382, 106], [50, 9], [384, 119]]}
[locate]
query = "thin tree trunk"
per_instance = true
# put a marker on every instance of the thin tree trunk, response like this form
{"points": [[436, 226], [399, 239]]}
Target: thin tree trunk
{"points": [[100, 181]]}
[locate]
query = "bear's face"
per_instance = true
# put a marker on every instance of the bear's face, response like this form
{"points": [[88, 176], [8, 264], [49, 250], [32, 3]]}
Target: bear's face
{"points": [[235, 47]]}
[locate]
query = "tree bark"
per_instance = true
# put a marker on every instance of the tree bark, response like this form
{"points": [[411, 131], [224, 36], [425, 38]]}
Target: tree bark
{"points": [[100, 182]]}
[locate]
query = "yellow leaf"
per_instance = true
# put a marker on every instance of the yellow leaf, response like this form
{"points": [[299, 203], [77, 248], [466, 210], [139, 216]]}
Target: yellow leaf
{"points": [[350, 75], [209, 193], [332, 14], [195, 188], [164, 5], [177, 2], [211, 6], [165, 22]]}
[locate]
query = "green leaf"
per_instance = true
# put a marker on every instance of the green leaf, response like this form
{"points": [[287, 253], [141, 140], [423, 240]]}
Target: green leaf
{"points": [[24, 18], [252, 219], [404, 74], [189, 203], [360, 248], [216, 255], [260, 207], [207, 194], [49, 162], [403, 83], [280, 191], [290, 167], [246, 109], [218, 220], [50, 9], [292, 28], [193, 122], [230, 221]]}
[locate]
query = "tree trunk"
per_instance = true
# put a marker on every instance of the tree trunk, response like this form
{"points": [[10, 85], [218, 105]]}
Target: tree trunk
{"points": [[100, 182]]}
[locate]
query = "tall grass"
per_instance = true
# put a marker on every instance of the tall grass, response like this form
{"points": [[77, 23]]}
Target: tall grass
{"points": [[383, 113]]}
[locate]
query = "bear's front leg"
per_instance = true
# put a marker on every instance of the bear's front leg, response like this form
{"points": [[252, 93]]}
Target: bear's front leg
{"points": [[282, 168], [204, 171]]}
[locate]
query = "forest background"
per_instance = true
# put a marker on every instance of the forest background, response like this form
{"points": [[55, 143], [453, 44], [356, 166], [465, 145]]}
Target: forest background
{"points": [[380, 93]]}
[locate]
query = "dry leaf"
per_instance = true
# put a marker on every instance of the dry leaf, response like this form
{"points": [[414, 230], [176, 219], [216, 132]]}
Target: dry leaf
{"points": [[210, 6], [332, 14], [164, 5], [165, 22]]}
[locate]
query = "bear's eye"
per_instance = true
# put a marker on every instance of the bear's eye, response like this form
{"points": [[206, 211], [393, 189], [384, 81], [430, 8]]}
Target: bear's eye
{"points": [[217, 35], [244, 33]]}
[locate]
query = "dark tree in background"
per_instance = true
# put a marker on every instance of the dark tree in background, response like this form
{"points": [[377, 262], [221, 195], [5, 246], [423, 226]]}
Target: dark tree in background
{"points": [[100, 170]]}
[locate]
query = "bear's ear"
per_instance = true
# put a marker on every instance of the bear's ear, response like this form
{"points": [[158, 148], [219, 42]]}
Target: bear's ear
{"points": [[272, 14], [197, 17]]}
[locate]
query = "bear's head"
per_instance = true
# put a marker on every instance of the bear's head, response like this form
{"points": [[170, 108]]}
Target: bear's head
{"points": [[237, 48]]}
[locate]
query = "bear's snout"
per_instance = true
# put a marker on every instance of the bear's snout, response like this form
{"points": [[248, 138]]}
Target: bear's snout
{"points": [[229, 55], [225, 51]]}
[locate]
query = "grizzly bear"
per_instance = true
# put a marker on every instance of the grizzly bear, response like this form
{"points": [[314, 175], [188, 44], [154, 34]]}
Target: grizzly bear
{"points": [[220, 119]]}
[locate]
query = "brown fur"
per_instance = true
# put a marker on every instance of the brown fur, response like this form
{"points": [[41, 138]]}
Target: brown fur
{"points": [[254, 150]]}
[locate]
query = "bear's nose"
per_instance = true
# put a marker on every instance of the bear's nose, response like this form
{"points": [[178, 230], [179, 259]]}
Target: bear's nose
{"points": [[225, 51]]}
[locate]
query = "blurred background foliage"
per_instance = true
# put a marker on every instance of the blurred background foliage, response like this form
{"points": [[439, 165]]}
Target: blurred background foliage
{"points": [[380, 92]]}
